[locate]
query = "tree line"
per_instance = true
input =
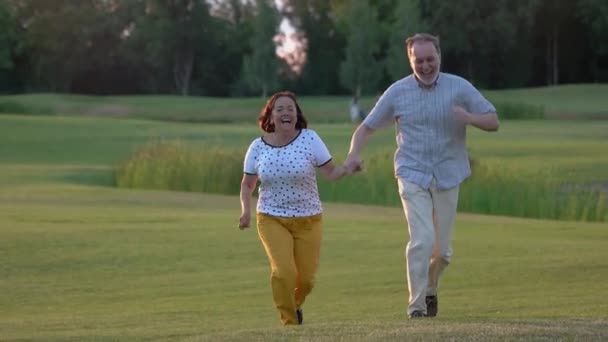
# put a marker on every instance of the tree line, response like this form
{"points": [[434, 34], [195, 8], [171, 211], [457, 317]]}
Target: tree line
{"points": [[229, 47]]}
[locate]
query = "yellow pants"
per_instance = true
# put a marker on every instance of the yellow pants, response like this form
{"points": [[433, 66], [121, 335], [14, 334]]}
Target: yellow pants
{"points": [[293, 246]]}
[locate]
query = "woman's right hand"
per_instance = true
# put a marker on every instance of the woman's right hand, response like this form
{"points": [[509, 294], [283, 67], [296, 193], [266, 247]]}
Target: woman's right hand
{"points": [[244, 220]]}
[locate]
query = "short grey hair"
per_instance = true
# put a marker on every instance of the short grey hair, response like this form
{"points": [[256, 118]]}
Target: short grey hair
{"points": [[422, 37]]}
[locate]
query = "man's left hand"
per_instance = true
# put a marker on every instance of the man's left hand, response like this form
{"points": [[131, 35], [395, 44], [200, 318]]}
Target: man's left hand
{"points": [[462, 116]]}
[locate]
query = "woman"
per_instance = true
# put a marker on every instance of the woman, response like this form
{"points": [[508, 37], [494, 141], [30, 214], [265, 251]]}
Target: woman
{"points": [[289, 212]]}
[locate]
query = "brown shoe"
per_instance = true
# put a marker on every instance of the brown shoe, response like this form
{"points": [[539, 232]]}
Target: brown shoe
{"points": [[432, 306]]}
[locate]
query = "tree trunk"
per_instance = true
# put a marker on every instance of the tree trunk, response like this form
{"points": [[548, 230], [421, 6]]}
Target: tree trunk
{"points": [[549, 59], [182, 70], [555, 55]]}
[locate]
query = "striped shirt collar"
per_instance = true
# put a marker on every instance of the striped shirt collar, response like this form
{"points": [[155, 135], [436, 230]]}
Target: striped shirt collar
{"points": [[424, 86]]}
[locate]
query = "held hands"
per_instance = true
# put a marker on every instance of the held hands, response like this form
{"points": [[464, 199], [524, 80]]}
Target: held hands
{"points": [[353, 164]]}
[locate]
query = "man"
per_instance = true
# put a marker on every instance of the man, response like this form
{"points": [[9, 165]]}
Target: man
{"points": [[431, 110]]}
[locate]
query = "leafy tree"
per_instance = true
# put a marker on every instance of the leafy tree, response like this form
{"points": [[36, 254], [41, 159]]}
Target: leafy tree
{"points": [[57, 34], [10, 49], [408, 21], [594, 13], [360, 71], [473, 31], [323, 44], [8, 36], [219, 69], [171, 35], [261, 67]]}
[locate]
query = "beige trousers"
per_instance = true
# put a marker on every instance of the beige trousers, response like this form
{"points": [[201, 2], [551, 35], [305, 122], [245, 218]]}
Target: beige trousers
{"points": [[430, 216]]}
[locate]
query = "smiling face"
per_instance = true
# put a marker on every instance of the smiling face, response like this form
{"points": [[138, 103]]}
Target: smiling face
{"points": [[425, 61], [284, 114]]}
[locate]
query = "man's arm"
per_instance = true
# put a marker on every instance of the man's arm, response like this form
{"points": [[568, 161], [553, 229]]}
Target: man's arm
{"points": [[478, 111], [379, 117], [359, 140], [487, 121]]}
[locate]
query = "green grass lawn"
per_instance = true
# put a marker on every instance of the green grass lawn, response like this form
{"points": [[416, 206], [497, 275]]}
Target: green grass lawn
{"points": [[568, 101], [100, 264], [575, 148], [84, 261]]}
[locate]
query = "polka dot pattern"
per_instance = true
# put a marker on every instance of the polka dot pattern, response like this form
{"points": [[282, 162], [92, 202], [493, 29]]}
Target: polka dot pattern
{"points": [[288, 184]]}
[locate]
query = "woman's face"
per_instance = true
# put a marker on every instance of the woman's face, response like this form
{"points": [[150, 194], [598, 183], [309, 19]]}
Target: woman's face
{"points": [[284, 114]]}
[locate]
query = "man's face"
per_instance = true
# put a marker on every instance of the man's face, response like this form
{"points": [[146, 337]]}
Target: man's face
{"points": [[425, 61]]}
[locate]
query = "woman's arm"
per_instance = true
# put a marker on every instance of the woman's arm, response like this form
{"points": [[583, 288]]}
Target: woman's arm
{"points": [[247, 186], [332, 172]]}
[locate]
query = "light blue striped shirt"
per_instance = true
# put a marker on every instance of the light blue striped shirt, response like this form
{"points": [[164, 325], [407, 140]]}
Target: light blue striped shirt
{"points": [[430, 144]]}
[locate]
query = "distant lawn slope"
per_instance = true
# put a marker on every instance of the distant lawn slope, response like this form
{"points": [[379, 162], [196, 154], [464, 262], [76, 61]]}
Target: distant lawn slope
{"points": [[575, 149], [86, 150], [569, 101]]}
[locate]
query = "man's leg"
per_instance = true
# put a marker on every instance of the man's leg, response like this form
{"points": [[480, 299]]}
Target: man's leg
{"points": [[445, 204], [278, 243], [418, 208], [307, 233]]}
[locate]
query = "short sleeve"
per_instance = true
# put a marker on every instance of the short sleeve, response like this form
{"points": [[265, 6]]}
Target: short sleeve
{"points": [[474, 101], [382, 115], [251, 157], [320, 152]]}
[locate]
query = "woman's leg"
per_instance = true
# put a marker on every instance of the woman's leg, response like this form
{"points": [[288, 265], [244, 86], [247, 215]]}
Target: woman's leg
{"points": [[307, 251], [279, 245]]}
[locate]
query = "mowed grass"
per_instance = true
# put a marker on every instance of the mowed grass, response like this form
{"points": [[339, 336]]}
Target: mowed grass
{"points": [[575, 148], [99, 264], [552, 170], [84, 262], [87, 150], [566, 101]]}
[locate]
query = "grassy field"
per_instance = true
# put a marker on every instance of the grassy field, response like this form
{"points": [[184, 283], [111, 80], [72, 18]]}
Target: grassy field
{"points": [[576, 149], [88, 149], [553, 170], [568, 101], [83, 261], [100, 264]]}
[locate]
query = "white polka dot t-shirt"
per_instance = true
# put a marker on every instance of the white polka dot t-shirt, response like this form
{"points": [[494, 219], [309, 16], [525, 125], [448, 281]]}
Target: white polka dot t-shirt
{"points": [[288, 183]]}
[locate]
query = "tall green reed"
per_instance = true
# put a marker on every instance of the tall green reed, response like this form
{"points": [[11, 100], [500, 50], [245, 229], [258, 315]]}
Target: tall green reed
{"points": [[519, 111], [177, 166], [512, 191], [494, 188]]}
